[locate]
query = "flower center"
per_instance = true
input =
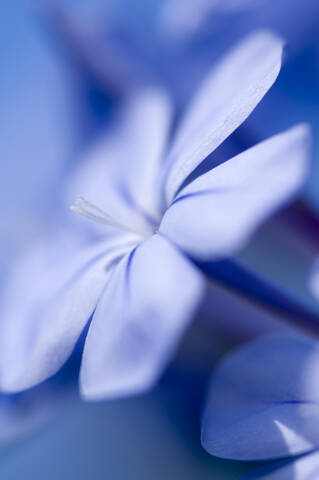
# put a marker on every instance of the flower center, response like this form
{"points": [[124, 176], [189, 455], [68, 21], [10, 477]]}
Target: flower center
{"points": [[87, 209]]}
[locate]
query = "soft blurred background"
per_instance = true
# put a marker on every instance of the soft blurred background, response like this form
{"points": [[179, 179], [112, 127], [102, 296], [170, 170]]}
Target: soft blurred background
{"points": [[66, 66]]}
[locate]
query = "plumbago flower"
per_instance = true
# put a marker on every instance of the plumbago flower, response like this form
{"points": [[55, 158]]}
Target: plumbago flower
{"points": [[263, 404], [131, 263]]}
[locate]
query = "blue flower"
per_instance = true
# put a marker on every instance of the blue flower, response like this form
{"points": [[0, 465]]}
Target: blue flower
{"points": [[263, 405], [130, 266]]}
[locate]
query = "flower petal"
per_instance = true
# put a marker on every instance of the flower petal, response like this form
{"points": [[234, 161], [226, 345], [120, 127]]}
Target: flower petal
{"points": [[214, 215], [140, 318], [49, 300], [229, 94], [120, 174], [263, 401]]}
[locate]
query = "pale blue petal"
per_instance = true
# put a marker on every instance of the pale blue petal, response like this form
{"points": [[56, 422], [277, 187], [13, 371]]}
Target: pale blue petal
{"points": [[263, 401], [49, 299], [216, 214], [139, 320], [121, 172], [229, 94], [304, 468]]}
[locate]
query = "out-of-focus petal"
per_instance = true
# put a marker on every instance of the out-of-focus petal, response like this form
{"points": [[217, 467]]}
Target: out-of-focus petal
{"points": [[139, 320], [185, 21], [49, 299], [263, 401], [214, 215], [38, 122], [218, 22], [229, 94], [121, 174]]}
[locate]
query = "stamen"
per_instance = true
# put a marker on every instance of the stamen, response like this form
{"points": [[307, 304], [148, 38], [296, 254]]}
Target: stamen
{"points": [[84, 207]]}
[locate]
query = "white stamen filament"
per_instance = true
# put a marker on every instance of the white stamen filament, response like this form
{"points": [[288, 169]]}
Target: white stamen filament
{"points": [[84, 207]]}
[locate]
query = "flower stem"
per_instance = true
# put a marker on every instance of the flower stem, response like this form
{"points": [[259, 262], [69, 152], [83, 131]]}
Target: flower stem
{"points": [[256, 288]]}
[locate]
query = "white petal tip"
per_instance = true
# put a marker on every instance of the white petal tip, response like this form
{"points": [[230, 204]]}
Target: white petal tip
{"points": [[112, 392]]}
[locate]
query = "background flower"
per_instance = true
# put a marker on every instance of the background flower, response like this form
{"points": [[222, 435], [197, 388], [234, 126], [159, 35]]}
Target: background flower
{"points": [[258, 413]]}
